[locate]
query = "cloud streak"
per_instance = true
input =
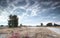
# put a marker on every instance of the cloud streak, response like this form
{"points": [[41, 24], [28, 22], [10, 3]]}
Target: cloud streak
{"points": [[31, 10]]}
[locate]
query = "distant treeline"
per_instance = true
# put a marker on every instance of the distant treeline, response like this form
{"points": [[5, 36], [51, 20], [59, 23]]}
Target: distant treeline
{"points": [[13, 22], [50, 24], [21, 25]]}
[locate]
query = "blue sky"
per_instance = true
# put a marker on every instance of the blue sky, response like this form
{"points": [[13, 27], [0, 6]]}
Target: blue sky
{"points": [[30, 12]]}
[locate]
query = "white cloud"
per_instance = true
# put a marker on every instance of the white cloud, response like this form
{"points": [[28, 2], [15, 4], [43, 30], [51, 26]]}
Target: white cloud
{"points": [[54, 17], [3, 20], [35, 10]]}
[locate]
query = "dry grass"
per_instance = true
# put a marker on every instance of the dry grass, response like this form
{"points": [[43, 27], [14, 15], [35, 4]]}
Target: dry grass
{"points": [[38, 32]]}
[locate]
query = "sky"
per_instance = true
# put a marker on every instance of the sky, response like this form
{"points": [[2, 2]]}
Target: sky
{"points": [[30, 12]]}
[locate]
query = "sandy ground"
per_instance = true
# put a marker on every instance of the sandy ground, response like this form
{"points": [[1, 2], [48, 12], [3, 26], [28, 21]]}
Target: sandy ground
{"points": [[32, 32]]}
